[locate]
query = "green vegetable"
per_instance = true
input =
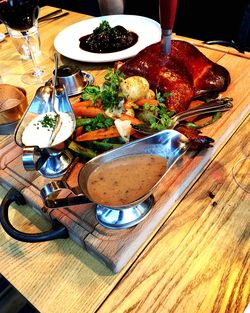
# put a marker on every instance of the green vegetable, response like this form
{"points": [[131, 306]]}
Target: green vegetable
{"points": [[158, 117], [82, 151], [214, 118], [92, 93], [162, 98], [111, 95], [104, 145], [83, 121], [100, 121], [103, 27]]}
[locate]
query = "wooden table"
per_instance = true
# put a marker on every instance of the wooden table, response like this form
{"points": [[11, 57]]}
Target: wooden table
{"points": [[197, 261]]}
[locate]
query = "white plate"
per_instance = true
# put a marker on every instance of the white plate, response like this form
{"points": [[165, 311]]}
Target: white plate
{"points": [[67, 41], [2, 36]]}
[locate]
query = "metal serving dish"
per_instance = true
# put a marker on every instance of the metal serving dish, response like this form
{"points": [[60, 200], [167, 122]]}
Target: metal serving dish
{"points": [[13, 103], [73, 79], [169, 144]]}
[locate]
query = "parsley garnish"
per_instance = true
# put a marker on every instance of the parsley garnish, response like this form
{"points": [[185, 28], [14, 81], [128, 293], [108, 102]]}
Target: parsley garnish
{"points": [[161, 117], [47, 121], [103, 27], [109, 93], [99, 122], [162, 98], [157, 117], [92, 93]]}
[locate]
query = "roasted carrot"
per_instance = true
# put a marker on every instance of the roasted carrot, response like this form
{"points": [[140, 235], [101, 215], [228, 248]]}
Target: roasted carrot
{"points": [[134, 120], [78, 131], [143, 101], [128, 104], [87, 111], [97, 134], [85, 103], [137, 135], [72, 179]]}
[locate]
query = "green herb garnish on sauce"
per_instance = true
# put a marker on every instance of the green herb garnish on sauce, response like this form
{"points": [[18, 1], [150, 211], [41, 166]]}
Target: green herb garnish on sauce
{"points": [[47, 122]]}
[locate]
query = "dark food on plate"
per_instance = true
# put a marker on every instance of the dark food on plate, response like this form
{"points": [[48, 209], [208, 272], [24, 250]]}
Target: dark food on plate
{"points": [[106, 39], [187, 73]]}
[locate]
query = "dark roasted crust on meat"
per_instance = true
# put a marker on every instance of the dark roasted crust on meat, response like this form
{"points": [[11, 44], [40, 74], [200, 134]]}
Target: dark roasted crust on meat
{"points": [[198, 141], [186, 73]]}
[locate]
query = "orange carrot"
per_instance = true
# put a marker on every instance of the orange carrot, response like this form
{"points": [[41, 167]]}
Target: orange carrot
{"points": [[72, 179], [128, 104], [143, 101], [85, 103], [87, 111], [134, 120], [78, 131], [97, 134]]}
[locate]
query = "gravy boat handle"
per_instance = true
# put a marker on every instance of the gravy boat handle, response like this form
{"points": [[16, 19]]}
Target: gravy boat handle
{"points": [[33, 158], [51, 190]]}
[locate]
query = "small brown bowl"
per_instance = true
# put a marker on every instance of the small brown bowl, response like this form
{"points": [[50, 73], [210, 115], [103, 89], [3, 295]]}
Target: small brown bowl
{"points": [[13, 103]]}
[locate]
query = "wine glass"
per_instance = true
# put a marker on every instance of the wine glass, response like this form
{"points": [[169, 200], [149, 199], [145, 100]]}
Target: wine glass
{"points": [[20, 16]]}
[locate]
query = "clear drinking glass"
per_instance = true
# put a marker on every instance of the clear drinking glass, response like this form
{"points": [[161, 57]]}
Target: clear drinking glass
{"points": [[21, 45], [20, 18]]}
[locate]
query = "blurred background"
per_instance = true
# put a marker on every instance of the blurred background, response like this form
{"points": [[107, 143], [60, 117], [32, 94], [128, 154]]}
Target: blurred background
{"points": [[205, 20]]}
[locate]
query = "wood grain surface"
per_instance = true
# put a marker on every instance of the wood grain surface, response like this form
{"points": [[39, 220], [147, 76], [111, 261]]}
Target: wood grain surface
{"points": [[198, 261]]}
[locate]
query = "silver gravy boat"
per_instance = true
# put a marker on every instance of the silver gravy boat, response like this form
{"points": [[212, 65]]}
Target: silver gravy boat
{"points": [[53, 160], [169, 144]]}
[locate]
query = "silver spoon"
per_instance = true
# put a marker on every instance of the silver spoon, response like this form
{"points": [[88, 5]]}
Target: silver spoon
{"points": [[217, 105], [57, 114]]}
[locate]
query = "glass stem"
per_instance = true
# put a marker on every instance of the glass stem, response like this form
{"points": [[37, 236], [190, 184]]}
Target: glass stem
{"points": [[37, 70]]}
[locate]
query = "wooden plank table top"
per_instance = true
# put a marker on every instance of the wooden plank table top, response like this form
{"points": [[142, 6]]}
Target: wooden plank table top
{"points": [[198, 261]]}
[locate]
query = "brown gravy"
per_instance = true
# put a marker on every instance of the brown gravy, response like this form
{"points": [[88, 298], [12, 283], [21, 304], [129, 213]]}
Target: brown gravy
{"points": [[125, 179]]}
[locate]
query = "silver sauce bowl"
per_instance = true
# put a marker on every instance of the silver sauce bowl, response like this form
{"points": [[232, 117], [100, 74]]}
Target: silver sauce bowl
{"points": [[74, 79], [169, 144]]}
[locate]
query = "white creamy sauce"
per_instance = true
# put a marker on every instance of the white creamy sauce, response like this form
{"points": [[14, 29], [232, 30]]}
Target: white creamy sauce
{"points": [[38, 133]]}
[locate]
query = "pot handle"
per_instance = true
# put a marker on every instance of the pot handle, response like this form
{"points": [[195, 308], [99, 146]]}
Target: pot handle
{"points": [[58, 230]]}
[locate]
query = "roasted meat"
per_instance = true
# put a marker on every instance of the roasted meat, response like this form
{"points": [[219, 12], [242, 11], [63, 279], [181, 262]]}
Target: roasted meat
{"points": [[197, 140], [186, 73]]}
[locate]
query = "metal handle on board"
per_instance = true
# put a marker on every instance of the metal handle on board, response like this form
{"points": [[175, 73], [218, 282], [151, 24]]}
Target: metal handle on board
{"points": [[58, 230]]}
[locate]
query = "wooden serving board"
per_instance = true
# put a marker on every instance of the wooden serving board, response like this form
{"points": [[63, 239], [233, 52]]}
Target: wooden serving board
{"points": [[116, 247]]}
